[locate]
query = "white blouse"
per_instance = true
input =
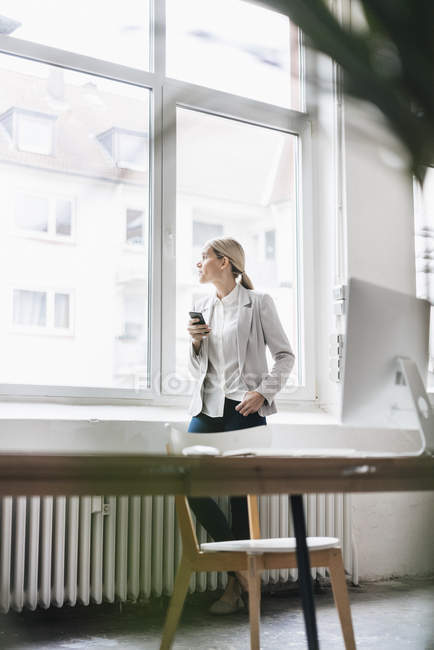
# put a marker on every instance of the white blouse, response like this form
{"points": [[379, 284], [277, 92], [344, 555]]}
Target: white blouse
{"points": [[223, 376]]}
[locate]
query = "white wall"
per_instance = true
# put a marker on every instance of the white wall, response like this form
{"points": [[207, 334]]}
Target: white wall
{"points": [[394, 533]]}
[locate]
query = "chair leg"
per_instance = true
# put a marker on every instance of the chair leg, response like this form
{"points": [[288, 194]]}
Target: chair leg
{"points": [[340, 594], [176, 603], [254, 580]]}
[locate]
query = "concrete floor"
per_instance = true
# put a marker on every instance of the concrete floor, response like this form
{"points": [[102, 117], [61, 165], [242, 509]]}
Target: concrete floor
{"points": [[390, 615]]}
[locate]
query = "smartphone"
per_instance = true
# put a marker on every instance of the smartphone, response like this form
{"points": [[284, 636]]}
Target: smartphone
{"points": [[197, 314]]}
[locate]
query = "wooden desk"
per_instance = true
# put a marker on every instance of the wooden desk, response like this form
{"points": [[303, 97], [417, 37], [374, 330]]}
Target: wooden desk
{"points": [[202, 476], [26, 474]]}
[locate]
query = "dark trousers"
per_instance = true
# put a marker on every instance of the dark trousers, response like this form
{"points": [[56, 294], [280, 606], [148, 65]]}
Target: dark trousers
{"points": [[206, 509]]}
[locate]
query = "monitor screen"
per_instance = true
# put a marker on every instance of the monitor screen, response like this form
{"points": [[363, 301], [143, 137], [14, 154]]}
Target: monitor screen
{"points": [[382, 325]]}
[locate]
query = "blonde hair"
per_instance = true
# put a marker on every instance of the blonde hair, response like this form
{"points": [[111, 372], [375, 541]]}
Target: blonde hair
{"points": [[230, 248]]}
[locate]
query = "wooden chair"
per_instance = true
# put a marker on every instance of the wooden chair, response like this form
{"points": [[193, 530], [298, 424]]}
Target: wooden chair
{"points": [[253, 555]]}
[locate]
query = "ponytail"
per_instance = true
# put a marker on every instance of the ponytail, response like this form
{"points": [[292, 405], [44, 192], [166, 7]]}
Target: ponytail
{"points": [[246, 281]]}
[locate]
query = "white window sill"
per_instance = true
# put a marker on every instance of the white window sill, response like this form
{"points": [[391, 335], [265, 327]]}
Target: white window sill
{"points": [[65, 428], [288, 413], [22, 410]]}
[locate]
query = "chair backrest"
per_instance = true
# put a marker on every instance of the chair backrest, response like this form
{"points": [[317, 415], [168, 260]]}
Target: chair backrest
{"points": [[190, 544], [250, 438]]}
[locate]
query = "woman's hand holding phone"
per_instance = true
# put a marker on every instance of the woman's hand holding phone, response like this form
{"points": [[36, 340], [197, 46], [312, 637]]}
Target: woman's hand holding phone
{"points": [[198, 330]]}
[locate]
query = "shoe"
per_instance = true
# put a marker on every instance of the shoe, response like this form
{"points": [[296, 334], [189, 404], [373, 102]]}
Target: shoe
{"points": [[222, 607]]}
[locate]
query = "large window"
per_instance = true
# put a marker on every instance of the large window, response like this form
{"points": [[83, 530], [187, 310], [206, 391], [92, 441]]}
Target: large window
{"points": [[134, 139], [240, 180], [36, 195]]}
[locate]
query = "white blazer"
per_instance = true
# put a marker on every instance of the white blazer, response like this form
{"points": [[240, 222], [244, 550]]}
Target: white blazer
{"points": [[258, 326]]}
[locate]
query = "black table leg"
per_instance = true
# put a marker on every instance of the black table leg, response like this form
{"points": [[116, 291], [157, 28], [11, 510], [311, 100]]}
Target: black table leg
{"points": [[304, 576]]}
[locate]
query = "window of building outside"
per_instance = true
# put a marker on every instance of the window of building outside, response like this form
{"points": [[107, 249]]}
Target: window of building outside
{"points": [[41, 312], [135, 227], [32, 213], [47, 217], [138, 165], [424, 244], [126, 149], [63, 217], [35, 133], [270, 244], [30, 308], [29, 130]]}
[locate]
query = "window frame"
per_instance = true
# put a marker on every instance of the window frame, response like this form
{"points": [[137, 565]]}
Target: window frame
{"points": [[189, 96], [165, 95]]}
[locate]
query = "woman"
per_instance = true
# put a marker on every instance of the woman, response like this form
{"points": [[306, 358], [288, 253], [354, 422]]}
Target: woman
{"points": [[233, 387]]}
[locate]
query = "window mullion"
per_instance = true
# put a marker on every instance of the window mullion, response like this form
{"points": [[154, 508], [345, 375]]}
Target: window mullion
{"points": [[156, 339], [158, 38], [168, 248], [155, 280], [305, 262]]}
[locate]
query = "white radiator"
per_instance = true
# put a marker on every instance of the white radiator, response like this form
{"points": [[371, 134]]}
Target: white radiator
{"points": [[68, 550]]}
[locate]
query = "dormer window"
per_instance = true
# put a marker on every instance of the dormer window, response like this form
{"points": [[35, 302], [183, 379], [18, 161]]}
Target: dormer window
{"points": [[29, 130], [127, 149]]}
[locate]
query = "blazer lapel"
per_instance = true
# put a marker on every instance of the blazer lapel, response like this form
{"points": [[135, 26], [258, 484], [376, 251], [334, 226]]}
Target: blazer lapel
{"points": [[244, 324]]}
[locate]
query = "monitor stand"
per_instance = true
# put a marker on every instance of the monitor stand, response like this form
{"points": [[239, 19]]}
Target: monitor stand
{"points": [[421, 403]]}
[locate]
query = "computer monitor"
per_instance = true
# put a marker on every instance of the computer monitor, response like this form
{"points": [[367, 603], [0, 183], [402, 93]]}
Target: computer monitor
{"points": [[386, 352]]}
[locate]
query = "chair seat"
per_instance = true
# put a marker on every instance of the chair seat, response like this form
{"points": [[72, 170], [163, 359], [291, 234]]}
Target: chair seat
{"points": [[276, 545]]}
